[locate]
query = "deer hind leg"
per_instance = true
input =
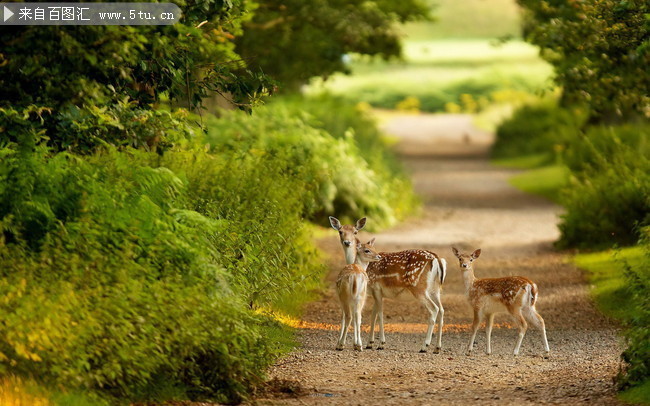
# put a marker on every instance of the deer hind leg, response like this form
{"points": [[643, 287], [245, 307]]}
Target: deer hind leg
{"points": [[538, 322], [432, 308], [358, 306], [523, 326], [380, 315], [478, 316], [441, 313], [373, 319], [488, 332], [345, 325]]}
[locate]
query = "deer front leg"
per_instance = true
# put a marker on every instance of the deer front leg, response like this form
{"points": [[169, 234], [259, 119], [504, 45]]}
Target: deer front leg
{"points": [[475, 324], [357, 328]]}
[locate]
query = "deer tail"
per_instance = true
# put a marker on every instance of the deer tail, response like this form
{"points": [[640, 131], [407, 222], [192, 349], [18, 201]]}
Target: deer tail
{"points": [[533, 294], [440, 268]]}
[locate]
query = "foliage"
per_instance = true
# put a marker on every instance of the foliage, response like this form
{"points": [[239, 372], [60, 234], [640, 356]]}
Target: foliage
{"points": [[600, 50], [113, 279], [536, 129], [349, 172], [99, 84], [620, 283], [608, 199], [294, 40], [637, 354]]}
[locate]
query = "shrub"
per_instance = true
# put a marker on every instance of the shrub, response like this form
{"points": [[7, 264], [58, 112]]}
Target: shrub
{"points": [[343, 183], [609, 197], [637, 353], [535, 129], [117, 273]]}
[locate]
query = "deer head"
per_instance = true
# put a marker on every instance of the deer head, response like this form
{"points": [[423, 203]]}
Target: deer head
{"points": [[347, 233], [465, 260]]}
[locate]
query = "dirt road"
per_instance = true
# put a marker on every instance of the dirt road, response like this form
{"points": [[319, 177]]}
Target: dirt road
{"points": [[469, 204]]}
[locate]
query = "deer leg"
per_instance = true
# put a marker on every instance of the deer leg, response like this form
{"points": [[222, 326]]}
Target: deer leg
{"points": [[345, 324], [523, 326], [475, 324], [373, 318], [433, 314], [441, 313], [536, 320], [380, 315], [357, 326], [488, 332]]}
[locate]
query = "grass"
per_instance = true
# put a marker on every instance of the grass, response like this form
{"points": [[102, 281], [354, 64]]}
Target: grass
{"points": [[541, 178], [605, 272], [468, 18], [638, 394], [441, 71]]}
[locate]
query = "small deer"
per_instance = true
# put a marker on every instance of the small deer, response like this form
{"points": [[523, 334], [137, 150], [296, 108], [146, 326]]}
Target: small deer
{"points": [[351, 286], [513, 294], [420, 272]]}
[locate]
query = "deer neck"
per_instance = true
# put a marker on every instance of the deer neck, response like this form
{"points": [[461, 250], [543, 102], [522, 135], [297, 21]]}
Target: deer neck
{"points": [[469, 279], [361, 263], [350, 254]]}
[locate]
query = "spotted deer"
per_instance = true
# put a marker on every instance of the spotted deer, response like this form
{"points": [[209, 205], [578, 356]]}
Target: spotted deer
{"points": [[420, 272], [513, 294], [348, 237], [351, 287]]}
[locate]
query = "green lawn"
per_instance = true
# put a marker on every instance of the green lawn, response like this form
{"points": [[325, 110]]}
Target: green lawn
{"points": [[541, 178], [605, 273], [438, 72]]}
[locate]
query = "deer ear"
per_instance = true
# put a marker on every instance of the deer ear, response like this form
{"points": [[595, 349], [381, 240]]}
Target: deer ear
{"points": [[336, 224], [372, 242], [476, 253], [361, 223], [455, 251]]}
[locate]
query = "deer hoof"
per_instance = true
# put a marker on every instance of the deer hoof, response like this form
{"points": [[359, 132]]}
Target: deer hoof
{"points": [[340, 348], [437, 350], [423, 350], [369, 347], [357, 348]]}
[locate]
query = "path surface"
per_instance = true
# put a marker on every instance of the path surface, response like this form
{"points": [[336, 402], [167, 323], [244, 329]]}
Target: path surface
{"points": [[469, 204]]}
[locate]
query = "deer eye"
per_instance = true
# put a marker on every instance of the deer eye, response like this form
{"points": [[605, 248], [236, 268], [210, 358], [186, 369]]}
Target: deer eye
{"points": [[355, 232], [367, 251], [340, 232]]}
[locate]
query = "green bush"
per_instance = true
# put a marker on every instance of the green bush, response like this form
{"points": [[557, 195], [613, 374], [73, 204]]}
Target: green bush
{"points": [[534, 129], [117, 277], [608, 199], [342, 182], [637, 353]]}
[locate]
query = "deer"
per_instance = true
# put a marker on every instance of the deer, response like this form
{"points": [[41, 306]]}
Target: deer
{"points": [[420, 272], [351, 287], [488, 296]]}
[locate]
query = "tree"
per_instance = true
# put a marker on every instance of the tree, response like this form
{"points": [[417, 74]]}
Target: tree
{"points": [[600, 50], [294, 40], [94, 84]]}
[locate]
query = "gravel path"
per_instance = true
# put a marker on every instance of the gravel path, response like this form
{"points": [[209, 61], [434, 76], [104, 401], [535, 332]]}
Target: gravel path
{"points": [[467, 203]]}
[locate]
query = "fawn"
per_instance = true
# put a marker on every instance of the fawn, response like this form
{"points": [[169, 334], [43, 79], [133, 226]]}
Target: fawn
{"points": [[513, 294], [351, 286], [420, 272]]}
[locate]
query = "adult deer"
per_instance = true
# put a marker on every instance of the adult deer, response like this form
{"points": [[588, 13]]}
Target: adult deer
{"points": [[513, 294], [420, 272], [351, 286]]}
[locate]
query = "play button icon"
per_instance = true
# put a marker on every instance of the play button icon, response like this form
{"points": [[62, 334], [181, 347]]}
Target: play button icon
{"points": [[7, 14]]}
